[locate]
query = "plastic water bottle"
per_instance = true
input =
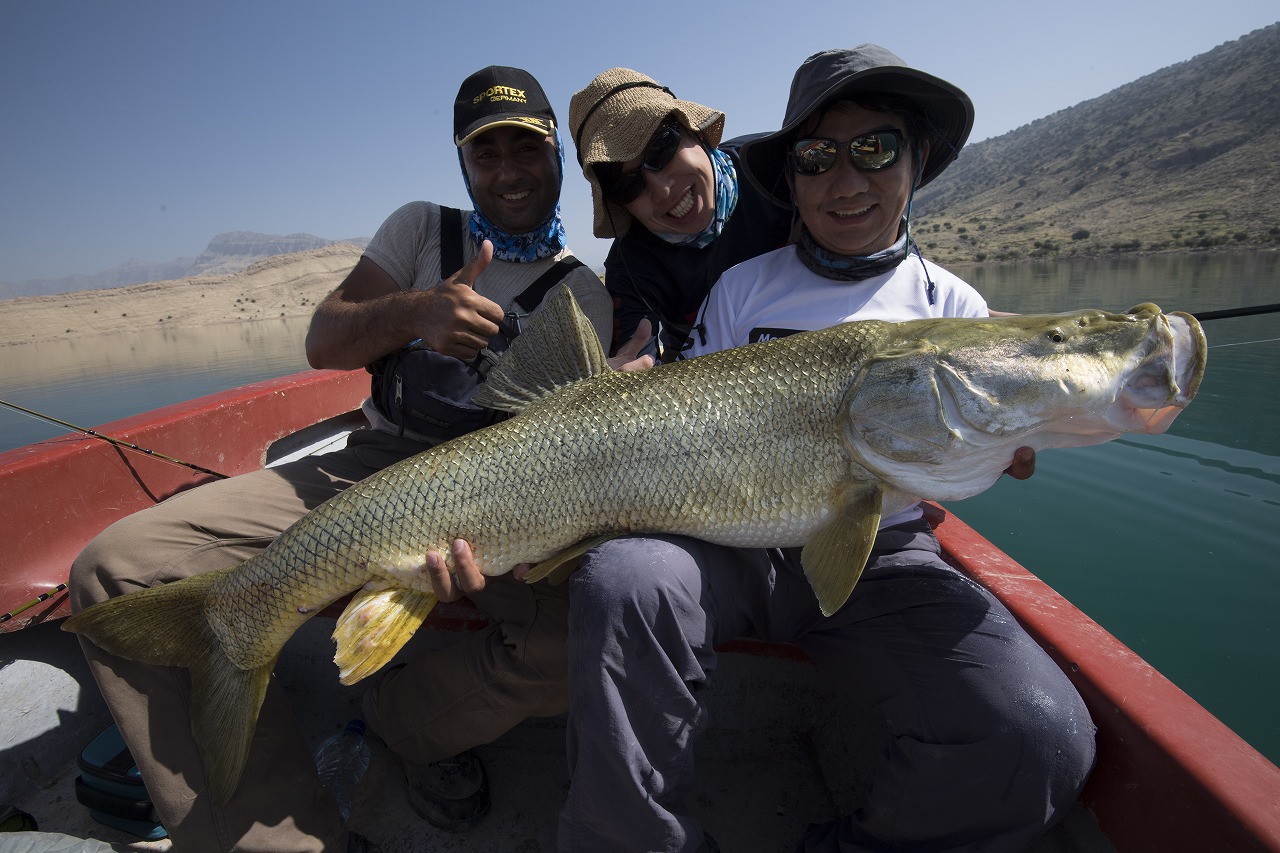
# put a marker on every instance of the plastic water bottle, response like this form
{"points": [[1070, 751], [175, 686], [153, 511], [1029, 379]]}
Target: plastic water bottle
{"points": [[341, 762]]}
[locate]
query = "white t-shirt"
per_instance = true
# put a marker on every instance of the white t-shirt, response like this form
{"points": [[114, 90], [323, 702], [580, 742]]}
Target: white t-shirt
{"points": [[775, 295]]}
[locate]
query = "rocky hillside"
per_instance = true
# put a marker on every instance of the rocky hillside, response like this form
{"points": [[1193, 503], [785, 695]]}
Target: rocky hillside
{"points": [[225, 254], [1185, 158], [280, 286]]}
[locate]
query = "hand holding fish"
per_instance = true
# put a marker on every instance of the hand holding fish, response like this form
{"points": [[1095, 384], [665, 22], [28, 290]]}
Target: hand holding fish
{"points": [[628, 357], [1024, 462], [465, 578]]}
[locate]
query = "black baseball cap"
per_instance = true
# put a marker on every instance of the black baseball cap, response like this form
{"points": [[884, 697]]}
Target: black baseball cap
{"points": [[500, 96]]}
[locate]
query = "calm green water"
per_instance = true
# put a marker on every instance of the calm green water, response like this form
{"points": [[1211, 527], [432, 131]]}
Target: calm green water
{"points": [[1169, 541]]}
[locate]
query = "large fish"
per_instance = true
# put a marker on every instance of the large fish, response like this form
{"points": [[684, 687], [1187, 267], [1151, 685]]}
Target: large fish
{"points": [[808, 440]]}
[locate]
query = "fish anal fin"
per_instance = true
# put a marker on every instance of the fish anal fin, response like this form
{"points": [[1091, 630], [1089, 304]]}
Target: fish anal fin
{"points": [[835, 557], [557, 568], [558, 346], [374, 626]]}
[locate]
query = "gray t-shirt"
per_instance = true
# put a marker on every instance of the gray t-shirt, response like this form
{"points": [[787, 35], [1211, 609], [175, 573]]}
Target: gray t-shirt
{"points": [[407, 248]]}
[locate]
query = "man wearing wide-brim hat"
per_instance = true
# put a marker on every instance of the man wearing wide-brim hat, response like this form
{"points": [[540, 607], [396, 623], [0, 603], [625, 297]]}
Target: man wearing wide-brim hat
{"points": [[969, 736]]}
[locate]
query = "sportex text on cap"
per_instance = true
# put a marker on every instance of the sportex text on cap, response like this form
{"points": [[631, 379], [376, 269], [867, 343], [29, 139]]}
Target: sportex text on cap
{"points": [[500, 96]]}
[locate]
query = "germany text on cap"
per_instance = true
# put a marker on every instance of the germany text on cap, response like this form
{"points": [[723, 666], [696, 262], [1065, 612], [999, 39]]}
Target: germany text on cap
{"points": [[499, 96]]}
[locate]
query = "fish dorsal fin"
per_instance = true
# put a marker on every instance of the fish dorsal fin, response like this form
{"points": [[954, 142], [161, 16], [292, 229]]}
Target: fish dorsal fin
{"points": [[558, 347], [374, 626], [835, 557]]}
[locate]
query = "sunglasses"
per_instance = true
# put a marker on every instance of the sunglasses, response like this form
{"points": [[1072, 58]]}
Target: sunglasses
{"points": [[657, 154], [870, 152]]}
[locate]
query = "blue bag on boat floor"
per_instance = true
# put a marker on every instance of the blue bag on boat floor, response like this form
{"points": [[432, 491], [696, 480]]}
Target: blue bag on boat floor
{"points": [[111, 787]]}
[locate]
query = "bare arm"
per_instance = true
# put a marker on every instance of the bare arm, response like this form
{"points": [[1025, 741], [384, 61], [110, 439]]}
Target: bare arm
{"points": [[368, 316]]}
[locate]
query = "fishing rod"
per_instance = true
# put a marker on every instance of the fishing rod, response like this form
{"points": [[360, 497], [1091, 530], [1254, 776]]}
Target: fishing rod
{"points": [[44, 596], [1236, 312], [115, 441]]}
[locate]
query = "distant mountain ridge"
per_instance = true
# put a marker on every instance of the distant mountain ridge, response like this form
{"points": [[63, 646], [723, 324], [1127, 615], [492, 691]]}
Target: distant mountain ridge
{"points": [[1181, 159], [226, 253]]}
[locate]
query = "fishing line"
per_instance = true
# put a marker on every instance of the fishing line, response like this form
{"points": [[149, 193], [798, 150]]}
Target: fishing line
{"points": [[1245, 343], [114, 441]]}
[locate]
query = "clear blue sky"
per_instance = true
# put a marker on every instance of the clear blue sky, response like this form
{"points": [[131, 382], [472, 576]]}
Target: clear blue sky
{"points": [[140, 129]]}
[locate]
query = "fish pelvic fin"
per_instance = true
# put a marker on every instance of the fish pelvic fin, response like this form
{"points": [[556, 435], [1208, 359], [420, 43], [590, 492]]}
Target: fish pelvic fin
{"points": [[558, 347], [166, 626], [373, 628], [557, 568], [835, 557]]}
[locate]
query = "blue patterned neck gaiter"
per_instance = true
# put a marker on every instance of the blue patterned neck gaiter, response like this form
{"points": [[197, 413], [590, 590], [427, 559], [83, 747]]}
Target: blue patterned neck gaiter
{"points": [[726, 201], [848, 267], [545, 241]]}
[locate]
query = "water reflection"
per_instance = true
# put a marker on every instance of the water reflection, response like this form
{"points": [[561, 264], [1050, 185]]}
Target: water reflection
{"points": [[92, 380]]}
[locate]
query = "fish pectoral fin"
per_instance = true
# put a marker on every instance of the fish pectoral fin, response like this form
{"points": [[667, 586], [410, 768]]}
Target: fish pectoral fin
{"points": [[835, 557], [557, 568], [374, 626]]}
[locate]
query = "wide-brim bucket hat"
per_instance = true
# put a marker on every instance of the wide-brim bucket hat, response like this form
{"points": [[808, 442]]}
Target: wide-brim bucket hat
{"points": [[612, 121], [834, 75]]}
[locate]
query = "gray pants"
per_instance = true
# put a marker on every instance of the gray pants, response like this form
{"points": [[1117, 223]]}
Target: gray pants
{"points": [[988, 742], [436, 706]]}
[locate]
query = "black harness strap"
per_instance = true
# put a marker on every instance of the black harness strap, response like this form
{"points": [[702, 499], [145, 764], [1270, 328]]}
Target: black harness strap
{"points": [[450, 241]]}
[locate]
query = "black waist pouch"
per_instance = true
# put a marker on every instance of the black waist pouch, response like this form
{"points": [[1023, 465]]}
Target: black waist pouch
{"points": [[431, 394]]}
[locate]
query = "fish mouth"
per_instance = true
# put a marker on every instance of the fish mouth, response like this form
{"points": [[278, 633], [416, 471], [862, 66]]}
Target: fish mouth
{"points": [[1168, 376]]}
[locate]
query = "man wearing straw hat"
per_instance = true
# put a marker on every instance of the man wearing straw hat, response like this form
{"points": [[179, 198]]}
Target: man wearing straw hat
{"points": [[435, 294], [671, 194], [977, 741]]}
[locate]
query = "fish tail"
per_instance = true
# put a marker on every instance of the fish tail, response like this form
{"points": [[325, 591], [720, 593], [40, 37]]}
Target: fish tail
{"points": [[166, 626]]}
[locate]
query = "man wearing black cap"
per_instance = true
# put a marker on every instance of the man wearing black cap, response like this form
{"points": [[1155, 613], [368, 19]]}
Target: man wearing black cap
{"points": [[436, 295]]}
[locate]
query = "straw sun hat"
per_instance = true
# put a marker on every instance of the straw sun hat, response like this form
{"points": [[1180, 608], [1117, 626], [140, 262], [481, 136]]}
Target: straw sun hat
{"points": [[613, 119]]}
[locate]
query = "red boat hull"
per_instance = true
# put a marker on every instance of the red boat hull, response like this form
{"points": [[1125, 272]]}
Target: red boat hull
{"points": [[56, 495]]}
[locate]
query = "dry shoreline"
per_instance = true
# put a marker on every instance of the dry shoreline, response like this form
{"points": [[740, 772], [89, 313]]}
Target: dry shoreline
{"points": [[280, 286]]}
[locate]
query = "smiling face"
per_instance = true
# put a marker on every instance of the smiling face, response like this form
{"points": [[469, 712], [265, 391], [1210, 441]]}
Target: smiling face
{"points": [[679, 198], [850, 212], [514, 177]]}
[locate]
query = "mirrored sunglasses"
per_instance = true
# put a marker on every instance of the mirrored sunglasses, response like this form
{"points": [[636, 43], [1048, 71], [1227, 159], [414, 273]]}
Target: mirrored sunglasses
{"points": [[870, 152], [657, 154]]}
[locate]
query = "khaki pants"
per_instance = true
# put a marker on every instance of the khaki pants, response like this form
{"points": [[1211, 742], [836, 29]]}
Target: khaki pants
{"points": [[438, 705]]}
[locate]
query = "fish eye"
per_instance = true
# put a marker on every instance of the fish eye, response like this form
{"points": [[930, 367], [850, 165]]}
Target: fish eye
{"points": [[1057, 336]]}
